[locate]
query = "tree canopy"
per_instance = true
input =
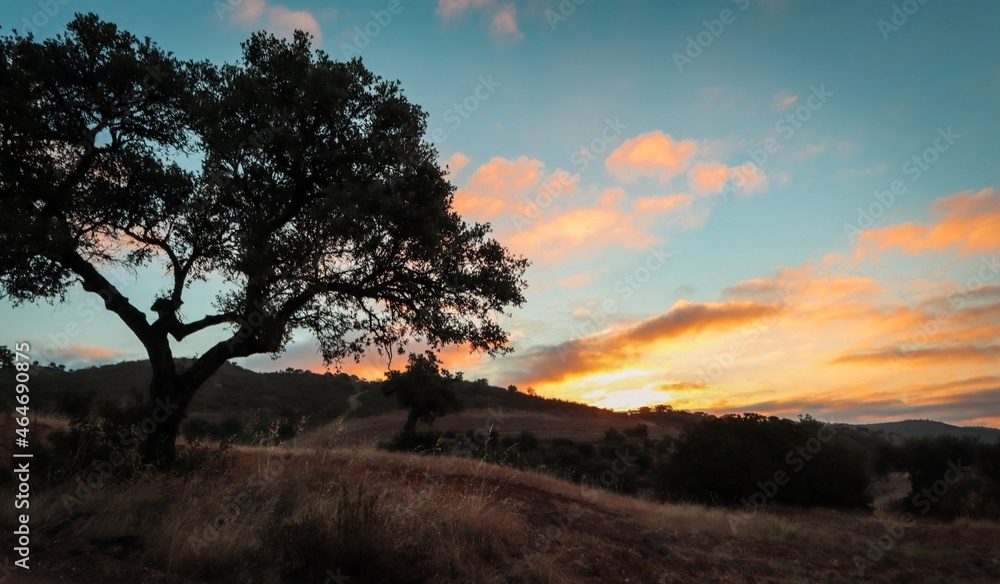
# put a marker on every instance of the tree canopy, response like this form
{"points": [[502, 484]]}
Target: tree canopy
{"points": [[305, 184]]}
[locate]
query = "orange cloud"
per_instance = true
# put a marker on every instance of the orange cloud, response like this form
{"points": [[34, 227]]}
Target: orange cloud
{"points": [[511, 186], [611, 351], [456, 163], [577, 230], [658, 205], [927, 356], [708, 177], [652, 154], [576, 281], [969, 223], [747, 179], [76, 355]]}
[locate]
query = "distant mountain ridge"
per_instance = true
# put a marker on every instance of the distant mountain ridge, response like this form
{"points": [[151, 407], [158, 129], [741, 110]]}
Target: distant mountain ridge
{"points": [[931, 428], [236, 391]]}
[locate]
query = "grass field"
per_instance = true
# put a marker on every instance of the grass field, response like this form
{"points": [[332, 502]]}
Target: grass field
{"points": [[306, 515]]}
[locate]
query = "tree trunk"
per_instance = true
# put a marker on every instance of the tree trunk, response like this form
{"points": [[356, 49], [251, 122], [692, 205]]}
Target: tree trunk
{"points": [[411, 423], [170, 393], [169, 399]]}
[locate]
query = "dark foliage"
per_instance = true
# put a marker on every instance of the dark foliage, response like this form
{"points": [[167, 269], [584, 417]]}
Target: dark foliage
{"points": [[751, 460]]}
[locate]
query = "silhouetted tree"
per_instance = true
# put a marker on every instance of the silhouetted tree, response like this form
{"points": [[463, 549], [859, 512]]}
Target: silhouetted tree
{"points": [[6, 359], [316, 200], [425, 389]]}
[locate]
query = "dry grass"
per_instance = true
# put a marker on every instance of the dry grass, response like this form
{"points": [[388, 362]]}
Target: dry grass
{"points": [[308, 516]]}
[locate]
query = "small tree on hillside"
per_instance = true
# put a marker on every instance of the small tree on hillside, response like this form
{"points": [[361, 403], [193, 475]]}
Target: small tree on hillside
{"points": [[6, 359], [424, 388]]}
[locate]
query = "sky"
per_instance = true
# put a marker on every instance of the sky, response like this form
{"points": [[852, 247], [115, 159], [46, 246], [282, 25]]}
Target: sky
{"points": [[776, 206]]}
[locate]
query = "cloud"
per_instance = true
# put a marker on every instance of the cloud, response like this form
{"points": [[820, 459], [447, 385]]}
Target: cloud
{"points": [[968, 223], [555, 235], [503, 18], [501, 186], [928, 356], [626, 399], [449, 9], [812, 150], [667, 204], [682, 386], [277, 19], [455, 164], [608, 351], [528, 208], [708, 177], [504, 23], [76, 356], [652, 154], [284, 22], [711, 178], [576, 281], [249, 11], [784, 99]]}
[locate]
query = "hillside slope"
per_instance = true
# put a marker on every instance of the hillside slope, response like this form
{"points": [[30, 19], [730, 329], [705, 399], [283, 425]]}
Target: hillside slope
{"points": [[235, 392], [930, 429], [303, 516]]}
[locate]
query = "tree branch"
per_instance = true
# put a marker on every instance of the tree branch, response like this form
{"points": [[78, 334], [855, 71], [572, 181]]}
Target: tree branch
{"points": [[183, 330], [93, 281]]}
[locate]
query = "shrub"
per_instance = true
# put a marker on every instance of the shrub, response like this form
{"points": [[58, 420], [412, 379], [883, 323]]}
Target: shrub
{"points": [[528, 441], [198, 429], [735, 460], [428, 442]]}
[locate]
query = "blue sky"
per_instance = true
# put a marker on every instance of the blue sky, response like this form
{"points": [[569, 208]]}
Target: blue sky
{"points": [[666, 102]]}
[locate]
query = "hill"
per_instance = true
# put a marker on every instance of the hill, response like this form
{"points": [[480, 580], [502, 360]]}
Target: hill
{"points": [[235, 393], [361, 515], [931, 429]]}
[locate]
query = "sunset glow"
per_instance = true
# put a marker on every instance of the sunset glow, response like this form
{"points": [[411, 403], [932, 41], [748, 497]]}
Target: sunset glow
{"points": [[803, 217]]}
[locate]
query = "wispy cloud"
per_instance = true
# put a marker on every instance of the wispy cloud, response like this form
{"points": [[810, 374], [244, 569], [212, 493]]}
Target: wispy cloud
{"points": [[275, 18], [968, 223], [654, 154], [503, 17]]}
